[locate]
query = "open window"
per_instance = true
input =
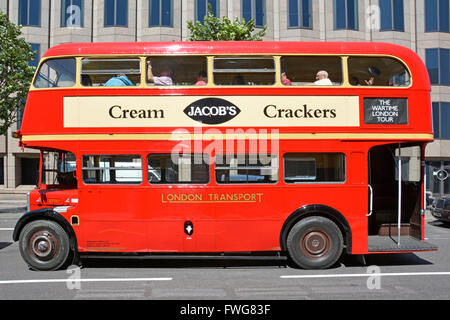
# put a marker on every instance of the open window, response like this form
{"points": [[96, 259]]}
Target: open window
{"points": [[243, 71], [246, 168], [115, 72], [304, 70], [378, 71], [176, 70], [56, 73]]}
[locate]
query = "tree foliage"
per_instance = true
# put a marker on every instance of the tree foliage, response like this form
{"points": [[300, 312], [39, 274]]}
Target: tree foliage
{"points": [[215, 29], [15, 73]]}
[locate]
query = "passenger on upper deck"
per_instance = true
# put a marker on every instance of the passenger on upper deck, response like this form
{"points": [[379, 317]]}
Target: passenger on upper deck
{"points": [[119, 81], [238, 80], [322, 79], [201, 80], [164, 80], [373, 72], [284, 79]]}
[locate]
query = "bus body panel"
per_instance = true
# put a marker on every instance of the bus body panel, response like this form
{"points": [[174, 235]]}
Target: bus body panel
{"points": [[217, 217]]}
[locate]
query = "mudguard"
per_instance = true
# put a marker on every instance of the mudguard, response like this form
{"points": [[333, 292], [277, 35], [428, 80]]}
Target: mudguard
{"points": [[46, 214]]}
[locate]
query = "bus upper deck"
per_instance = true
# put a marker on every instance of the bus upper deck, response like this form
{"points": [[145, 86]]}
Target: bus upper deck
{"points": [[229, 85]]}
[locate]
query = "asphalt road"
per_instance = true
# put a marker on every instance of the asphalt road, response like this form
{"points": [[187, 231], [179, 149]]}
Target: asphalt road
{"points": [[401, 276]]}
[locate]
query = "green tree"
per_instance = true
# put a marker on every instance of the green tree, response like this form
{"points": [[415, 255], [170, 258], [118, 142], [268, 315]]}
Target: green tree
{"points": [[15, 73], [214, 29]]}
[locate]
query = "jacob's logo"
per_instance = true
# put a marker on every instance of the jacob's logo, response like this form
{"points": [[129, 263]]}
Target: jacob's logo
{"points": [[212, 111]]}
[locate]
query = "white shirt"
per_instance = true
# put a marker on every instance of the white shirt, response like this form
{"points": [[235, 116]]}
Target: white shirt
{"points": [[162, 81], [323, 82]]}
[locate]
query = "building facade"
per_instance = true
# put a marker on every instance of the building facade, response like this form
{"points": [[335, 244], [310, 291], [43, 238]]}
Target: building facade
{"points": [[421, 25]]}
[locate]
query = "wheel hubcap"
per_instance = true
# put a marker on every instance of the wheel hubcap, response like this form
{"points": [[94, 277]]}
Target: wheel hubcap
{"points": [[43, 245], [315, 244]]}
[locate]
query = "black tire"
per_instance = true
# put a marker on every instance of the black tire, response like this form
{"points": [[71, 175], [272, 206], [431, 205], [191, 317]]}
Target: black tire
{"points": [[315, 243], [44, 245]]}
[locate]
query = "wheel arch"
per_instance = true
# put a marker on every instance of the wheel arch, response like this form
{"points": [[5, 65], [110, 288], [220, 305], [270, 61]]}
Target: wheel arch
{"points": [[322, 211], [46, 214]]}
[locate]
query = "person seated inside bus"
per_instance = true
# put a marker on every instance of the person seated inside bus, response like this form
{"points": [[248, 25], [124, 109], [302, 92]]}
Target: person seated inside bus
{"points": [[373, 73], [354, 81], [67, 178], [165, 79], [86, 80], [238, 80], [284, 79], [119, 80], [322, 79], [201, 79]]}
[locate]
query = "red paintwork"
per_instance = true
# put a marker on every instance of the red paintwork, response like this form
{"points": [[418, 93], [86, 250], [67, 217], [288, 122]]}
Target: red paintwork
{"points": [[134, 218]]}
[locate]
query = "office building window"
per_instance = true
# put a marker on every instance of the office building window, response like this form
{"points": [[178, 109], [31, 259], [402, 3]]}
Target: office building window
{"points": [[300, 13], [35, 47], [72, 13], [438, 65], [254, 9], [441, 120], [201, 8], [160, 13], [392, 15], [30, 13], [437, 14], [346, 14], [116, 13]]}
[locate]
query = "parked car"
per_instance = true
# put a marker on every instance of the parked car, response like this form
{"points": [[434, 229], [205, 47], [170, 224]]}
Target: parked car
{"points": [[430, 200], [441, 209]]}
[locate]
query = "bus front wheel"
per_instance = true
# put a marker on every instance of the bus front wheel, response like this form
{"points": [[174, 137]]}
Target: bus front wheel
{"points": [[44, 245], [315, 243]]}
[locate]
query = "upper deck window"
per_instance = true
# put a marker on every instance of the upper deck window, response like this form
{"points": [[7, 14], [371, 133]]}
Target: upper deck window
{"points": [[311, 70], [110, 72], [377, 71], [56, 73], [244, 70], [177, 70]]}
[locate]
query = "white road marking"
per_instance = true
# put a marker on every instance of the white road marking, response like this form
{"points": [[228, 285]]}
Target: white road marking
{"points": [[6, 229], [83, 280], [404, 274]]}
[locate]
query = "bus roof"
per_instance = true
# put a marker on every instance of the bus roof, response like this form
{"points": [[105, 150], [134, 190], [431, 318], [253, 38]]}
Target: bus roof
{"points": [[231, 47]]}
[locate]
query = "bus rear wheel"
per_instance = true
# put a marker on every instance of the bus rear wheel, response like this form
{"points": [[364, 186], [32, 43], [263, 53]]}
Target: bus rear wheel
{"points": [[44, 245], [315, 243]]}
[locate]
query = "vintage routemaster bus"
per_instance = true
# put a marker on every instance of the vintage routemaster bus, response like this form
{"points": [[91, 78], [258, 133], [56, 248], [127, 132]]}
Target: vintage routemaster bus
{"points": [[268, 149]]}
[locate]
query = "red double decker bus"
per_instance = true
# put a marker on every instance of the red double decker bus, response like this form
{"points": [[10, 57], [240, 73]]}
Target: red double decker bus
{"points": [[291, 149]]}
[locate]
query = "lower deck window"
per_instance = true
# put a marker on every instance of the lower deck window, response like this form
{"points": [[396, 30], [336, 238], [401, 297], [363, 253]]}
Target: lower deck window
{"points": [[314, 167], [58, 167], [177, 169], [112, 169], [246, 168]]}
